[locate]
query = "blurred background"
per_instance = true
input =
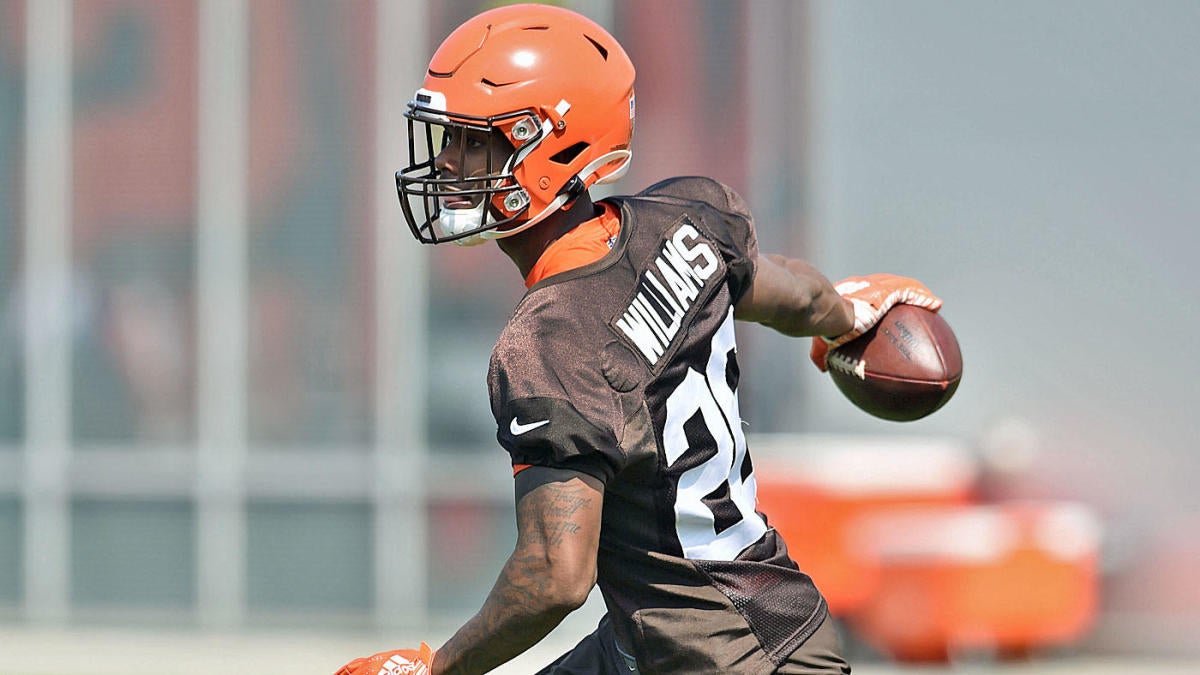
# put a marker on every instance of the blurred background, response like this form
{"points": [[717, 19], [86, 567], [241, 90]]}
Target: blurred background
{"points": [[243, 414]]}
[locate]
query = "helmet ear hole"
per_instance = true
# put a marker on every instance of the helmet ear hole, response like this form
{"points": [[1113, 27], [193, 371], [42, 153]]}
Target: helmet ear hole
{"points": [[568, 154]]}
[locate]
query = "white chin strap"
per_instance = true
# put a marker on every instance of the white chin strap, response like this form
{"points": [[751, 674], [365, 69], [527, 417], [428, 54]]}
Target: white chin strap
{"points": [[558, 202], [453, 221]]}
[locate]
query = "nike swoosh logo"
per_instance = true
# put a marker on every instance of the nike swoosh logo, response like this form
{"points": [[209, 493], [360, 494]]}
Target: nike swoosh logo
{"points": [[517, 428]]}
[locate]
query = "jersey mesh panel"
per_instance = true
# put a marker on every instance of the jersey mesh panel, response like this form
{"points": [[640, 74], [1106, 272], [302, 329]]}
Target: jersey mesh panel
{"points": [[764, 599]]}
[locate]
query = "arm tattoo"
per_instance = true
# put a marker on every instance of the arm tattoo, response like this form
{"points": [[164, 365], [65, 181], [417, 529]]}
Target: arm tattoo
{"points": [[558, 524], [550, 520]]}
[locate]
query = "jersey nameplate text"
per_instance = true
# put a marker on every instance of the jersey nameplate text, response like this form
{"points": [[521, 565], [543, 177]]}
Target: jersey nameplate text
{"points": [[667, 289]]}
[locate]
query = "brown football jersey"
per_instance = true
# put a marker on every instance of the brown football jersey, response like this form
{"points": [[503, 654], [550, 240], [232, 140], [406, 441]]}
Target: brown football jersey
{"points": [[626, 369]]}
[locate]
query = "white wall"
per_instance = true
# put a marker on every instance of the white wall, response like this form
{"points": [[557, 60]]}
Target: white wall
{"points": [[1038, 165]]}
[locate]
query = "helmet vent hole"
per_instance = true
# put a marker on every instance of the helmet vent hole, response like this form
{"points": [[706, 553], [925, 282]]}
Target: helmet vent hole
{"points": [[536, 28], [568, 155], [600, 48]]}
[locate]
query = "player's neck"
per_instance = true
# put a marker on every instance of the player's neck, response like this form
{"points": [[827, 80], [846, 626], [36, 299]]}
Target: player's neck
{"points": [[526, 247]]}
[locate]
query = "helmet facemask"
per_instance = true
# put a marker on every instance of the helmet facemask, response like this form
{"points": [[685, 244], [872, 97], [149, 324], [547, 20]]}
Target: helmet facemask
{"points": [[428, 194]]}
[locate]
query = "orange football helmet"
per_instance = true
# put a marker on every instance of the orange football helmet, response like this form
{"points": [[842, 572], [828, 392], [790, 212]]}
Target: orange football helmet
{"points": [[558, 88]]}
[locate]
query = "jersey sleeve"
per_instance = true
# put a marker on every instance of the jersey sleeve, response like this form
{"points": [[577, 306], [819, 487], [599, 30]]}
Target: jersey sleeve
{"points": [[724, 216], [552, 410]]}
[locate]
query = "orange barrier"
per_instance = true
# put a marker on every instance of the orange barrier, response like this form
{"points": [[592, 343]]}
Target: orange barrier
{"points": [[1001, 579], [814, 490]]}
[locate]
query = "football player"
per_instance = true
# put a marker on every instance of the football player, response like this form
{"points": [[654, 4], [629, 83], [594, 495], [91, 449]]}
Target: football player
{"points": [[614, 384]]}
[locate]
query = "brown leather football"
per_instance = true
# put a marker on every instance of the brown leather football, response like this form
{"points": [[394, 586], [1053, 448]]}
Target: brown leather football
{"points": [[903, 369]]}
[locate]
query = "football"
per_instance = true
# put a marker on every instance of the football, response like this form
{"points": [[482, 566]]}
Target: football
{"points": [[903, 369]]}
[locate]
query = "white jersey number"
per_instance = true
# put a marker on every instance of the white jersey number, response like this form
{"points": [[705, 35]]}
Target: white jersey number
{"points": [[710, 395]]}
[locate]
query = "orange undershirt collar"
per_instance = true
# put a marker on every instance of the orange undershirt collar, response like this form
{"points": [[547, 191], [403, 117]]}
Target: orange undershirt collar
{"points": [[590, 241]]}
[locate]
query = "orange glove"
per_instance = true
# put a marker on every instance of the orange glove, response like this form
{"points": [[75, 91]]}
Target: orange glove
{"points": [[395, 662], [872, 296]]}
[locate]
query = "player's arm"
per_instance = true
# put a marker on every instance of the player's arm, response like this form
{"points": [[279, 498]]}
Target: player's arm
{"points": [[794, 298], [548, 575]]}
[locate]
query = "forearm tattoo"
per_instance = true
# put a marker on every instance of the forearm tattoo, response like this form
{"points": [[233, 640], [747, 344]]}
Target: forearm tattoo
{"points": [[522, 608]]}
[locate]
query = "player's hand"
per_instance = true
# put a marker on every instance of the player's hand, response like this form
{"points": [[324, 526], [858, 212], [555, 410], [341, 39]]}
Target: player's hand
{"points": [[872, 296], [395, 662]]}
